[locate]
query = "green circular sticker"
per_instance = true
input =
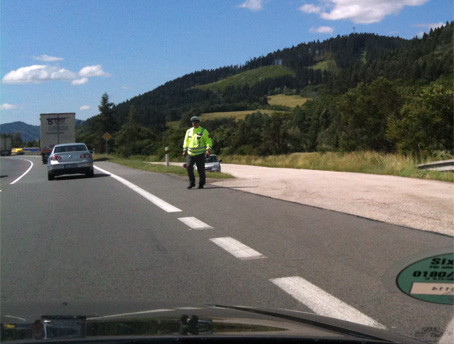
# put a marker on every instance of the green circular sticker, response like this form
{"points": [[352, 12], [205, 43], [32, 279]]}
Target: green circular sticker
{"points": [[430, 279]]}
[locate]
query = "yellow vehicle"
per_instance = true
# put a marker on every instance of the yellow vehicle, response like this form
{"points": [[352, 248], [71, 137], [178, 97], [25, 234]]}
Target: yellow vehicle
{"points": [[17, 151]]}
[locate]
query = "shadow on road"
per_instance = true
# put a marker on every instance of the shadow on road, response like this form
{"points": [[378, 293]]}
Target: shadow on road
{"points": [[80, 176], [230, 187]]}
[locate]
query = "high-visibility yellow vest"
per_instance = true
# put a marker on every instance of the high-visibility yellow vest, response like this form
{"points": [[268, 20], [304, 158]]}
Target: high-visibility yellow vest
{"points": [[197, 141]]}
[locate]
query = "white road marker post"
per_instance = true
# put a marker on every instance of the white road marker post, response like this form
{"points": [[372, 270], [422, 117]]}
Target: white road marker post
{"points": [[167, 156]]}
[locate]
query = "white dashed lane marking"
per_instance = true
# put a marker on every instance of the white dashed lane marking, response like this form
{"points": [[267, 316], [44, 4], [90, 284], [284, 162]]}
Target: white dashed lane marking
{"points": [[194, 223], [448, 336], [237, 249], [315, 298], [322, 303], [152, 198]]}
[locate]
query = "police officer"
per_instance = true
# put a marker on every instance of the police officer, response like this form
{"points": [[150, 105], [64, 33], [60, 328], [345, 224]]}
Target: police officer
{"points": [[197, 143]]}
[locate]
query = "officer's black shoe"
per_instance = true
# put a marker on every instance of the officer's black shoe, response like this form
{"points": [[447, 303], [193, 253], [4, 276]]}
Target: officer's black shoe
{"points": [[191, 185], [200, 186]]}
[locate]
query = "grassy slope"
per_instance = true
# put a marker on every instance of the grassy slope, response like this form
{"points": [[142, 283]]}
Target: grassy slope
{"points": [[250, 77], [279, 99], [326, 62], [238, 115], [289, 101]]}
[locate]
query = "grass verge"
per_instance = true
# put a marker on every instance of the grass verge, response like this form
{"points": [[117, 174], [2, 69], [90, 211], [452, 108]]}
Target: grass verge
{"points": [[145, 163], [360, 162]]}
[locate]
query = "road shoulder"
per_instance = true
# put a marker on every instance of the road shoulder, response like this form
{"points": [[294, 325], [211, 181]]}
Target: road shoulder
{"points": [[415, 203]]}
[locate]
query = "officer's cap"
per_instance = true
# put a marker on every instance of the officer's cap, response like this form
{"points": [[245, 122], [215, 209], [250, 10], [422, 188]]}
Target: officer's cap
{"points": [[195, 119]]}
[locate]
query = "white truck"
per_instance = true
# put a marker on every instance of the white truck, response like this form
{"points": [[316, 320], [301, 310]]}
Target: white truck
{"points": [[5, 146], [56, 128]]}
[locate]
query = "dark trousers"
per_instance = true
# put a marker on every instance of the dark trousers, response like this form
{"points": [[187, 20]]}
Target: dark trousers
{"points": [[199, 160]]}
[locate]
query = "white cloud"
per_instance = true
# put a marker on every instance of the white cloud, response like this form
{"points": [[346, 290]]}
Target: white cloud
{"points": [[47, 58], [361, 12], [79, 81], [89, 71], [309, 8], [428, 27], [7, 106], [85, 107], [124, 87], [253, 5], [322, 29], [37, 74]]}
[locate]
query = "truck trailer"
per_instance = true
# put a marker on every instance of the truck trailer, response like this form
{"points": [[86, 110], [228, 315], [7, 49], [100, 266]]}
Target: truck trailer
{"points": [[5, 146], [56, 128]]}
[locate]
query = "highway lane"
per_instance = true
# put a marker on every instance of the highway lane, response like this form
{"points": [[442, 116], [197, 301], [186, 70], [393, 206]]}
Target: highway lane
{"points": [[13, 168], [106, 242]]}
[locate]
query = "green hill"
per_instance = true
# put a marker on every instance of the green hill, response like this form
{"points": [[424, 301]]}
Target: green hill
{"points": [[240, 88], [325, 71], [28, 132]]}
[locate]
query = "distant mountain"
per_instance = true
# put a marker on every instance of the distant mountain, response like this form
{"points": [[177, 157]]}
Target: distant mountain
{"points": [[28, 132]]}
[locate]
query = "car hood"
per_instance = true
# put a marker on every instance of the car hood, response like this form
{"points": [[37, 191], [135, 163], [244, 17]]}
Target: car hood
{"points": [[22, 323]]}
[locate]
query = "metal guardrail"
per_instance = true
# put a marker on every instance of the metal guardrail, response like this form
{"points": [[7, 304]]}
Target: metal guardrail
{"points": [[444, 165]]}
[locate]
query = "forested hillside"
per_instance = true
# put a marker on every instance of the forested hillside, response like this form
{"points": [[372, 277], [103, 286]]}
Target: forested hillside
{"points": [[368, 92], [20, 132]]}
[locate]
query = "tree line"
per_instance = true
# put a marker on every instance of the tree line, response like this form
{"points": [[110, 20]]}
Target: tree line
{"points": [[383, 116]]}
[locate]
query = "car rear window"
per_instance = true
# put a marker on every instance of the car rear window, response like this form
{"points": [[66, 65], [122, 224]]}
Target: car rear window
{"points": [[78, 148]]}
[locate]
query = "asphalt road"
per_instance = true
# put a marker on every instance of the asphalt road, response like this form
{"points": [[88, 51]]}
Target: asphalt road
{"points": [[131, 236]]}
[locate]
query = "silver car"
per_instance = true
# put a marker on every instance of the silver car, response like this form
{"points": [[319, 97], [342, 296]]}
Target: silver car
{"points": [[212, 163], [69, 158]]}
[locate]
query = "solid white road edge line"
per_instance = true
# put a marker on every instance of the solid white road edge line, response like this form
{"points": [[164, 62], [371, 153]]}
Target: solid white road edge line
{"points": [[152, 198], [321, 302], [194, 223], [237, 249], [448, 336], [25, 171]]}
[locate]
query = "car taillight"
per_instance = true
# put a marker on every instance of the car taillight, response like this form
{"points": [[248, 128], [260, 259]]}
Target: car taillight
{"points": [[85, 156], [56, 157]]}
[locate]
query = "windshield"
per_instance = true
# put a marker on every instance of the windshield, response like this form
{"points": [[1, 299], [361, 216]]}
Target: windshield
{"points": [[211, 159], [277, 155]]}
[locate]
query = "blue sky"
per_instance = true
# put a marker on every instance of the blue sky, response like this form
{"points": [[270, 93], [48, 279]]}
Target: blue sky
{"points": [[62, 55]]}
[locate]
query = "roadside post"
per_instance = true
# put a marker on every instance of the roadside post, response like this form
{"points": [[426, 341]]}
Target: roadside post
{"points": [[167, 156], [106, 138]]}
